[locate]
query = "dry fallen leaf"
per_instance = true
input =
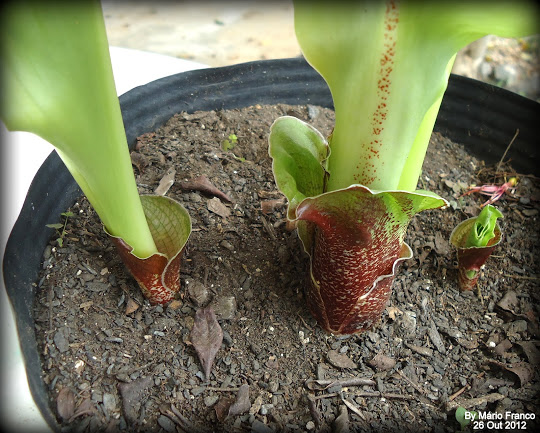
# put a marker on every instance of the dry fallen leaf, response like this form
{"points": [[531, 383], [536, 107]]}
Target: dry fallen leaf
{"points": [[531, 352], [393, 311], [175, 304], [226, 407], [341, 423], [509, 302], [132, 394], [131, 306], [340, 360], [206, 337], [166, 182], [85, 408], [269, 206], [382, 362], [442, 247], [242, 404], [65, 403], [523, 370], [503, 347], [198, 292], [139, 160], [215, 205], [222, 408], [204, 185]]}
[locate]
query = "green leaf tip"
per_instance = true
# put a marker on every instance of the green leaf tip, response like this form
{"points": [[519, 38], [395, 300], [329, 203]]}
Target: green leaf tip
{"points": [[483, 229]]}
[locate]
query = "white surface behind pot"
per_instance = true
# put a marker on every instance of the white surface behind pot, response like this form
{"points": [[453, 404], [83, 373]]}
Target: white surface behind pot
{"points": [[22, 155]]}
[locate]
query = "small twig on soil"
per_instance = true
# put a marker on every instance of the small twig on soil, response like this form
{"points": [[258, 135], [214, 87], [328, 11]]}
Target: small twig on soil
{"points": [[368, 395], [477, 401], [507, 149], [521, 277], [329, 383], [216, 388], [50, 297], [352, 407], [479, 293], [315, 414], [458, 393], [269, 229], [304, 322], [414, 385], [184, 423]]}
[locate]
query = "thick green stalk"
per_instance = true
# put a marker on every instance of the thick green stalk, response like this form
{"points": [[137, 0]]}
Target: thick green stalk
{"points": [[58, 83], [387, 65]]}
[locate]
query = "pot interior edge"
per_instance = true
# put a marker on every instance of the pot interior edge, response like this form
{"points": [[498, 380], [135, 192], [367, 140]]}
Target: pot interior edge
{"points": [[287, 77], [51, 192]]}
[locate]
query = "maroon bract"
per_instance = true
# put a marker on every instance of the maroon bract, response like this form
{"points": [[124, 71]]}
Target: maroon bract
{"points": [[159, 275], [355, 239]]}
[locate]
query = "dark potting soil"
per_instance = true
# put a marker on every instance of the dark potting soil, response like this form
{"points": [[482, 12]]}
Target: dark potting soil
{"points": [[112, 361]]}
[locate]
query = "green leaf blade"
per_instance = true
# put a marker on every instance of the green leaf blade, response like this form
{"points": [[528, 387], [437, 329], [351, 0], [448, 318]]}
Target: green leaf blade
{"points": [[298, 154]]}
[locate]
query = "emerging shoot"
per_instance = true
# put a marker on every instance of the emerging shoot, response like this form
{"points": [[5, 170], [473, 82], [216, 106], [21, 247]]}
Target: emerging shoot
{"points": [[475, 239]]}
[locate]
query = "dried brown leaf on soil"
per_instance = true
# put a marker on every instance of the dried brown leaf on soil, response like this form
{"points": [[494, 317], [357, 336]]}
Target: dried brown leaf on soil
{"points": [[340, 360], [198, 292], [139, 160], [242, 404], [222, 408], [382, 362], [531, 351], [523, 370], [132, 394], [131, 306], [509, 302], [269, 206], [65, 403], [215, 205], [393, 311], [503, 347], [206, 337], [341, 423], [86, 407], [227, 407], [166, 182], [203, 185]]}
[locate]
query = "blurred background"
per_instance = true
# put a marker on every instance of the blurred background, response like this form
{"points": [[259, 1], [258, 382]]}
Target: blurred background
{"points": [[225, 33]]}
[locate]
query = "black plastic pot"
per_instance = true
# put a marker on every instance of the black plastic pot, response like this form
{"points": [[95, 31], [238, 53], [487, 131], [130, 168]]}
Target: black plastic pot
{"points": [[482, 117]]}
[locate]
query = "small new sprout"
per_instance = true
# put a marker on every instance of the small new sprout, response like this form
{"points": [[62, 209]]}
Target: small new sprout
{"points": [[58, 226], [475, 239], [230, 143], [483, 229]]}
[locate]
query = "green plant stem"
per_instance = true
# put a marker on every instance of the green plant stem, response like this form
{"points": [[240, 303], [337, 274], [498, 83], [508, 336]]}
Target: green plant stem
{"points": [[58, 83], [387, 65]]}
